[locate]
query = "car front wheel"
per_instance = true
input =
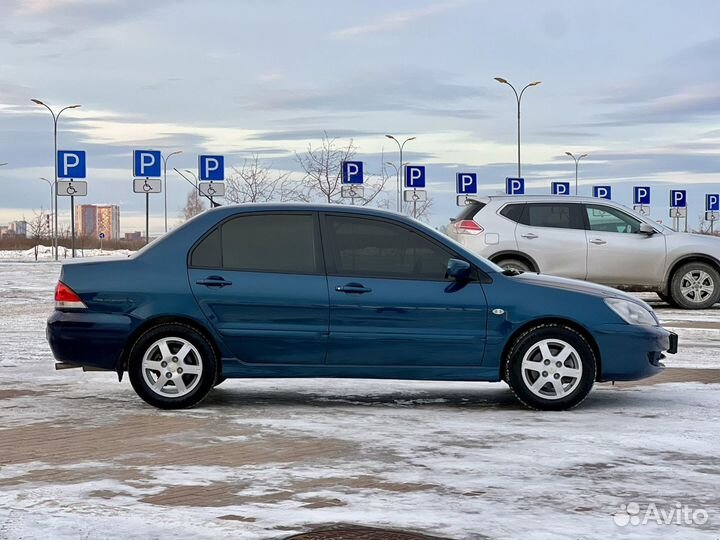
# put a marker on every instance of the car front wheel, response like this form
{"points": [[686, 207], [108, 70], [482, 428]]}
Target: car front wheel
{"points": [[514, 264], [172, 366], [551, 367], [695, 285]]}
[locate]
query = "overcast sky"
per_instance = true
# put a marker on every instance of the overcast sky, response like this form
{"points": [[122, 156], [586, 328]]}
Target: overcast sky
{"points": [[636, 84]]}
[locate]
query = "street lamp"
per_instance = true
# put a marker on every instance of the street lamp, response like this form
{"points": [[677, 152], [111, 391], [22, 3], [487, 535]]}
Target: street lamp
{"points": [[192, 173], [51, 203], [400, 173], [55, 118], [518, 97], [165, 160], [577, 160]]}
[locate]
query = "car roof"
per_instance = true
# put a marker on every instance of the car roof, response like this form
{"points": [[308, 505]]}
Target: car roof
{"points": [[540, 198], [308, 207]]}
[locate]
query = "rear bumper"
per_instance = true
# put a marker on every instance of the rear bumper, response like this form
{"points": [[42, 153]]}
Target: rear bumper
{"points": [[629, 352], [88, 339]]}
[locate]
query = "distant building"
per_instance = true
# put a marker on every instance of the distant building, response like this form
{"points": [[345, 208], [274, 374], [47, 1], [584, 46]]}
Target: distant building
{"points": [[133, 236], [20, 228], [93, 219]]}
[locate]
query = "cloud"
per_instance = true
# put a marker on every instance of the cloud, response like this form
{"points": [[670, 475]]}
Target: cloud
{"points": [[398, 19]]}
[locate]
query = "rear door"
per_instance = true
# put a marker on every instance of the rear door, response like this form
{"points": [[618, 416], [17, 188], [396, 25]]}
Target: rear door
{"points": [[618, 253], [553, 235], [390, 303], [259, 278]]}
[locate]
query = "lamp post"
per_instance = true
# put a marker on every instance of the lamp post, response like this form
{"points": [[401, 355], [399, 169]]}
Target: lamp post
{"points": [[400, 172], [192, 173], [55, 118], [165, 160], [52, 235], [518, 97], [577, 161]]}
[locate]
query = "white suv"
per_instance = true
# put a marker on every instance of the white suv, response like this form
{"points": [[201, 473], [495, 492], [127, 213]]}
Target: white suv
{"points": [[592, 239]]}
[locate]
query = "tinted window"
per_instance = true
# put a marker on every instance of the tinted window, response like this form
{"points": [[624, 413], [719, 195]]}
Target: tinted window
{"points": [[513, 212], [606, 219], [469, 211], [270, 243], [367, 247], [207, 253], [559, 216]]}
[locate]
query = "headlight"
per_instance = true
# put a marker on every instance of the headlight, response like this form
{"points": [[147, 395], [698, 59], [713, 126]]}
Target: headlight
{"points": [[631, 312]]}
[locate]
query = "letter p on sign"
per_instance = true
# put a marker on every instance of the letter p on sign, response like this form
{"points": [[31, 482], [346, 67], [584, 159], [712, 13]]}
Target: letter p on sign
{"points": [[211, 168]]}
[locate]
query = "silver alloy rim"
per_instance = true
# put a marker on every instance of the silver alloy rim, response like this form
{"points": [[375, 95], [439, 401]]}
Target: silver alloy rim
{"points": [[551, 369], [697, 286], [172, 367]]}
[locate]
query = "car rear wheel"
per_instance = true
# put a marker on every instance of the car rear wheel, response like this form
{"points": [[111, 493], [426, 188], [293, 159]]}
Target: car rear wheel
{"points": [[551, 367], [172, 366], [695, 285], [513, 264], [666, 298]]}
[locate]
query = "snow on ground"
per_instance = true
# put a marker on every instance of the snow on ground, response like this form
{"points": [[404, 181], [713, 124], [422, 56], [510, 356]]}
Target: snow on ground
{"points": [[275, 457], [46, 253]]}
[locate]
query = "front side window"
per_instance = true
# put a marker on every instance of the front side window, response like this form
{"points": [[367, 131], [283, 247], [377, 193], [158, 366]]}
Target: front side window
{"points": [[375, 248], [607, 219], [283, 243], [557, 216]]}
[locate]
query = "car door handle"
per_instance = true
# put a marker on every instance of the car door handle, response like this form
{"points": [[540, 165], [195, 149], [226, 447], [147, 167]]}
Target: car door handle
{"points": [[214, 281], [529, 235], [598, 241], [353, 288]]}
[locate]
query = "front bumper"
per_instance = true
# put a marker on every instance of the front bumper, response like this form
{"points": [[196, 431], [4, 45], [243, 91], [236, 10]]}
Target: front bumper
{"points": [[88, 339], [629, 352]]}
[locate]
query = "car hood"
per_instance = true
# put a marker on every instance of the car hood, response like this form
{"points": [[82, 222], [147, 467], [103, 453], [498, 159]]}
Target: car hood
{"points": [[575, 285]]}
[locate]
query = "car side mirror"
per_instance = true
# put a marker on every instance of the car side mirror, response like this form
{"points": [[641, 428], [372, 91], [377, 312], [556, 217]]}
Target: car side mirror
{"points": [[647, 229], [458, 269]]}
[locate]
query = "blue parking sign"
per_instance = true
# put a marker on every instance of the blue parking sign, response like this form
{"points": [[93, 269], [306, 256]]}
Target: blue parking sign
{"points": [[211, 168], [678, 198], [71, 164], [352, 172], [602, 192], [515, 186], [712, 202], [415, 176], [147, 164], [641, 195], [466, 183], [560, 188]]}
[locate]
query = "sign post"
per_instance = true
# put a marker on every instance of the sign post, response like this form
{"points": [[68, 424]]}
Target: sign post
{"points": [[415, 180], [147, 164], [352, 180], [71, 165], [465, 184], [678, 207], [641, 200], [712, 205]]}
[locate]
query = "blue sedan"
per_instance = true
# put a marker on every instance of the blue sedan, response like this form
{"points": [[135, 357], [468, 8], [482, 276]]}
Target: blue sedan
{"points": [[335, 291]]}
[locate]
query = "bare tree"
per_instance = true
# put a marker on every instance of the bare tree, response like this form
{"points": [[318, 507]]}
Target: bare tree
{"points": [[420, 210], [322, 166], [39, 229], [254, 182], [194, 205]]}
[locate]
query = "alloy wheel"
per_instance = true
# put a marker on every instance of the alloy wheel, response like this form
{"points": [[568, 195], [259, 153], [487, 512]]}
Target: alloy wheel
{"points": [[697, 286], [551, 369], [172, 367]]}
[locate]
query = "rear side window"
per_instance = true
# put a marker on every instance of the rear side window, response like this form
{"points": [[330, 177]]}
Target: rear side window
{"points": [[556, 216], [374, 248], [513, 212], [281, 243], [470, 211]]}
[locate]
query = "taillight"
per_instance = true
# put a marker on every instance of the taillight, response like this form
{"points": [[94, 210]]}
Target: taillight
{"points": [[467, 226], [66, 298]]}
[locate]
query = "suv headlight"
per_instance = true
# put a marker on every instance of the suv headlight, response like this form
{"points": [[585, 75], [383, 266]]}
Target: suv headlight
{"points": [[631, 312]]}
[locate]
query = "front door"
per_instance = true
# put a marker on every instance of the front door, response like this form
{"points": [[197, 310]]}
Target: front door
{"points": [[553, 235], [260, 281], [390, 303], [618, 253]]}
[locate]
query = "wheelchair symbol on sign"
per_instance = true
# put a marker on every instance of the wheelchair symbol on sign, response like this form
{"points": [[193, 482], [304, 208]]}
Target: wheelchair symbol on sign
{"points": [[211, 190], [147, 186], [71, 190]]}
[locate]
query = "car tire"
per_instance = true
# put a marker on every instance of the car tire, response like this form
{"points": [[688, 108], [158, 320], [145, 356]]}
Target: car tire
{"points": [[172, 366], [695, 285], [666, 298], [551, 367], [219, 380], [514, 264]]}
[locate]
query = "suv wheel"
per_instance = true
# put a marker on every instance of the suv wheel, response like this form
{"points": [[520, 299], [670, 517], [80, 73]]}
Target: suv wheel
{"points": [[513, 264], [666, 298], [551, 367], [695, 285], [172, 366]]}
